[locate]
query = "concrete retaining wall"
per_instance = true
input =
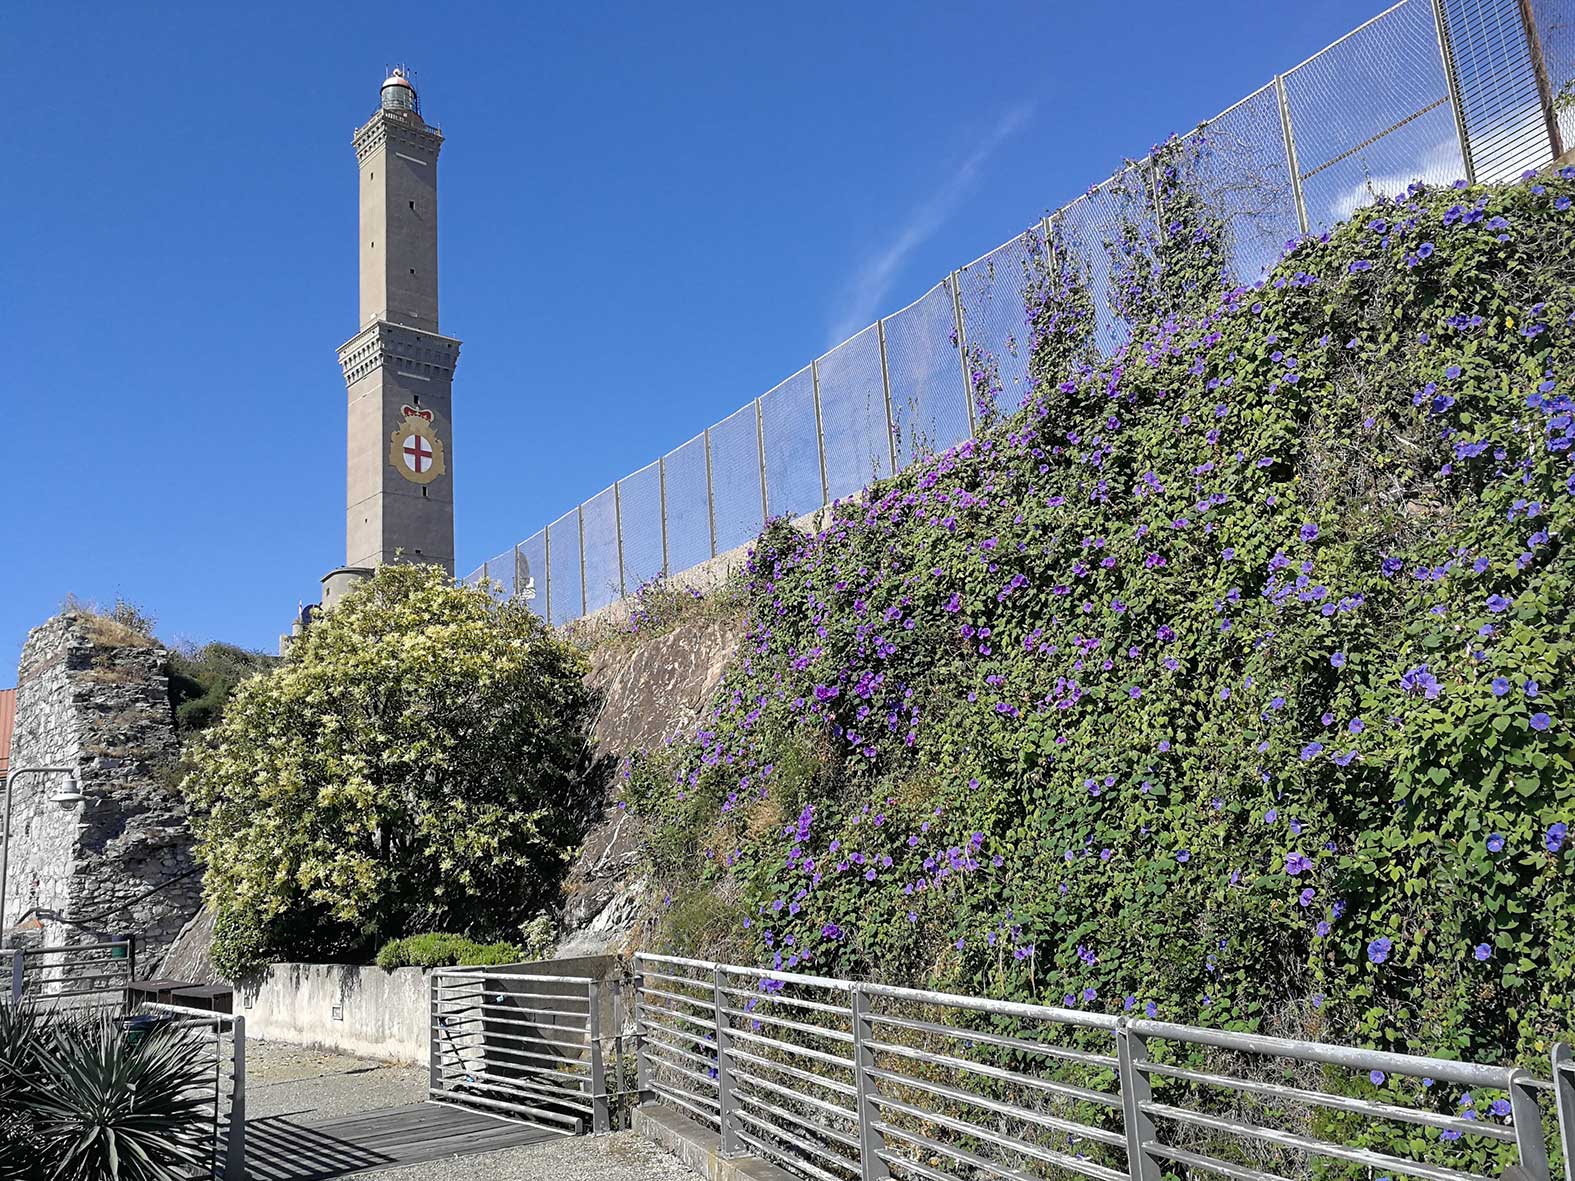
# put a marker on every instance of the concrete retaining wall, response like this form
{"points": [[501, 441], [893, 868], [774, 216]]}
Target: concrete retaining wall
{"points": [[345, 1007]]}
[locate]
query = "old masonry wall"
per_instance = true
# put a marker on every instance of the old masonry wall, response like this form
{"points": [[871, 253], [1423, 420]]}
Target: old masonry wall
{"points": [[94, 695]]}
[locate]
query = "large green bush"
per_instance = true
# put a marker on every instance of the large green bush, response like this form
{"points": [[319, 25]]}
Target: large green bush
{"points": [[420, 761], [1227, 680]]}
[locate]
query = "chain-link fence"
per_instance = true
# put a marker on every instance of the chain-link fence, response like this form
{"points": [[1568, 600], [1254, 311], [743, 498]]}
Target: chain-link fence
{"points": [[1428, 90]]}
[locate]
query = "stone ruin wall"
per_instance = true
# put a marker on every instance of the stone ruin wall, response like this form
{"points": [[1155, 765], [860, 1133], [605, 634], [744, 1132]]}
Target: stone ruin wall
{"points": [[94, 695]]}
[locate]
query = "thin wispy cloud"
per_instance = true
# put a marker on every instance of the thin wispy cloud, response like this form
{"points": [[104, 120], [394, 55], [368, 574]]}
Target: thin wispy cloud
{"points": [[872, 282]]}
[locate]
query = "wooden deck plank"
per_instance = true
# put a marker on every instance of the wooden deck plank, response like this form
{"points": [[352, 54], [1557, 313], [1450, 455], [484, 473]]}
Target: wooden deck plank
{"points": [[282, 1149]]}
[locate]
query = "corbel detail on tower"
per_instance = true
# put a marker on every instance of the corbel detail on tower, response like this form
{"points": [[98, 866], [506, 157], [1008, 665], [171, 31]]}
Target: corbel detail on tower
{"points": [[409, 350], [397, 132]]}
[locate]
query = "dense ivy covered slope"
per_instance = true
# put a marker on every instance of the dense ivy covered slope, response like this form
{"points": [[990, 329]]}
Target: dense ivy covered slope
{"points": [[1227, 680]]}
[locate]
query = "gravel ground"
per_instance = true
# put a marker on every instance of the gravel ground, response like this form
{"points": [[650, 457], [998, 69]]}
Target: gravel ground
{"points": [[622, 1156], [312, 1086]]}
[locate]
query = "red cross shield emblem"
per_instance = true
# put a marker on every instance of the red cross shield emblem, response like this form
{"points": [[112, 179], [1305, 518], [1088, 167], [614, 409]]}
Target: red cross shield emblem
{"points": [[414, 449]]}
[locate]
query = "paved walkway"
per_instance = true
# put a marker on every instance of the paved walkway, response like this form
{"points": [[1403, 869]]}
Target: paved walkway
{"points": [[315, 1116]]}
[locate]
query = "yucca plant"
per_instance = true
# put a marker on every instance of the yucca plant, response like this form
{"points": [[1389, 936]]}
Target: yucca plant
{"points": [[106, 1107], [21, 1147]]}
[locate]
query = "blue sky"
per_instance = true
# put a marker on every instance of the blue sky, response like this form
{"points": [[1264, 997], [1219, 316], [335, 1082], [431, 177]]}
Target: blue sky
{"points": [[649, 214]]}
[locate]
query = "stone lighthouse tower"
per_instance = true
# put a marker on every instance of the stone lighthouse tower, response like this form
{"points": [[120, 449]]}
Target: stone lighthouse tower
{"points": [[398, 368]]}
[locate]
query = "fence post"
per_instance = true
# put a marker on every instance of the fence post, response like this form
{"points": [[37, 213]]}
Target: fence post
{"points": [[710, 492], [434, 1036], [962, 350], [885, 381], [1451, 83], [1288, 133], [661, 489], [546, 572], [871, 1142], [760, 443], [16, 973], [1563, 1060], [820, 431], [642, 1064], [1531, 1143], [727, 1120], [593, 1032], [1544, 92], [618, 1074], [235, 1146], [1132, 1057], [618, 528]]}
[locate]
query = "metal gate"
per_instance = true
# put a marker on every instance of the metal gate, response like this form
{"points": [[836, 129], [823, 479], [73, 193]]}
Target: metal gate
{"points": [[520, 1045]]}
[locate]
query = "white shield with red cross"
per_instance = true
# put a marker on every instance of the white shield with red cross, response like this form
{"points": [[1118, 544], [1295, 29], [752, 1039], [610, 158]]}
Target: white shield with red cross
{"points": [[414, 449]]}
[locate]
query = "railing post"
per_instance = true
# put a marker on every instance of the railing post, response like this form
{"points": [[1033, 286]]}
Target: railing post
{"points": [[760, 446], [726, 1101], [623, 588], [546, 571], [661, 487], [16, 973], [235, 1146], [642, 1062], [434, 1032], [820, 432], [1563, 1059], [593, 1032], [885, 381], [871, 1142], [710, 492], [1136, 1089], [1531, 1143], [585, 598]]}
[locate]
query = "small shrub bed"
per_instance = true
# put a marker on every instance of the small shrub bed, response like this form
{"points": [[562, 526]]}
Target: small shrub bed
{"points": [[440, 950]]}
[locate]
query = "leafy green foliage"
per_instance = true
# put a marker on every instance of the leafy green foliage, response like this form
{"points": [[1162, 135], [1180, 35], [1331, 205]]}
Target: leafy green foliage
{"points": [[420, 761], [438, 950], [202, 680], [81, 1100], [1227, 680]]}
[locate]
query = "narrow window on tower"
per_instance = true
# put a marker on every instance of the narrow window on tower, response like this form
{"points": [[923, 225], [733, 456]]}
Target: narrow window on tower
{"points": [[412, 207]]}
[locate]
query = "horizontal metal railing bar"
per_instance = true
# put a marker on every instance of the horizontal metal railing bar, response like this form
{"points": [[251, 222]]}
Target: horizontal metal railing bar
{"points": [[1390, 1111], [835, 1035], [1071, 1090], [769, 1152], [65, 994], [536, 1037], [818, 1080], [779, 1089], [1028, 1045], [684, 1033], [55, 948], [702, 1002], [897, 1160], [539, 1055], [791, 1157], [778, 998], [797, 1120], [576, 1097], [1055, 1122], [1047, 1156], [447, 996], [472, 974], [685, 1100], [489, 1007], [692, 1075], [694, 980], [1072, 1017], [698, 1059], [801, 1051], [460, 1099], [1198, 1160], [647, 1006], [1314, 1147], [478, 1052], [1444, 1069], [961, 1155]]}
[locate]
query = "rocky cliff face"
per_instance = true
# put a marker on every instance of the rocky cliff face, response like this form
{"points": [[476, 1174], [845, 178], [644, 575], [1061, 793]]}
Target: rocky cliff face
{"points": [[652, 694], [94, 695]]}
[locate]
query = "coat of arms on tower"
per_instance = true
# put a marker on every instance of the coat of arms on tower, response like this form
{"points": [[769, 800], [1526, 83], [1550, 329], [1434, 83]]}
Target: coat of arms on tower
{"points": [[414, 450]]}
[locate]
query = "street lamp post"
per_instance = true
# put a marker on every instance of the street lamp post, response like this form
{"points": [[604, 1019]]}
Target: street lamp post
{"points": [[70, 793]]}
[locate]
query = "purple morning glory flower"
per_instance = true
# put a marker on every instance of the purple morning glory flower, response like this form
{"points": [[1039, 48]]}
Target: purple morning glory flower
{"points": [[1151, 1010], [1296, 863], [1361, 264], [1495, 843], [1497, 603], [1337, 659], [1376, 1077], [1481, 951], [1420, 679], [1540, 721], [1184, 856], [1378, 950], [1308, 531], [1500, 686], [1311, 751], [1557, 832]]}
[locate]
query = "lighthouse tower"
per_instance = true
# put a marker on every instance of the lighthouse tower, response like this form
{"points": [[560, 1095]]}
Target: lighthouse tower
{"points": [[398, 368]]}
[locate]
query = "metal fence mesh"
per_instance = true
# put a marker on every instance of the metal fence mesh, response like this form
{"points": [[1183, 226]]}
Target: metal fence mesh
{"points": [[853, 415], [787, 414], [735, 479], [640, 501], [603, 567], [929, 400], [564, 536], [1383, 107], [688, 506]]}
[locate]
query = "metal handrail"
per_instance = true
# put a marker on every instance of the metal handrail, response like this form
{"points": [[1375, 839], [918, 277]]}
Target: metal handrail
{"points": [[909, 1096]]}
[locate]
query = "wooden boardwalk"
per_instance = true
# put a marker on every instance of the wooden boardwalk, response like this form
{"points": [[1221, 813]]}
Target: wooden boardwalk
{"points": [[280, 1149]]}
